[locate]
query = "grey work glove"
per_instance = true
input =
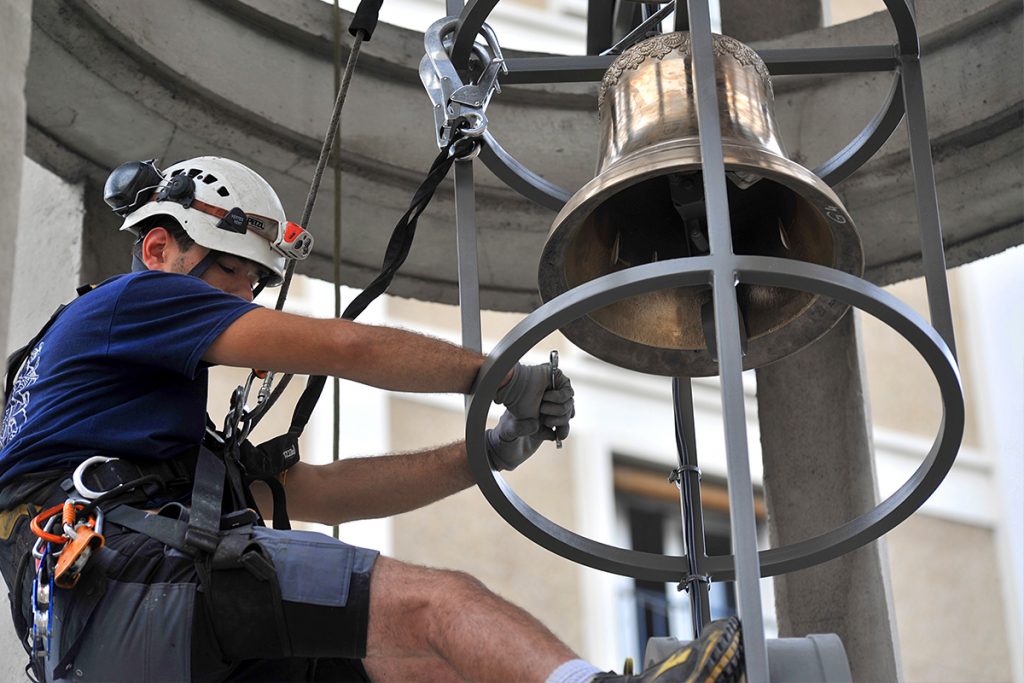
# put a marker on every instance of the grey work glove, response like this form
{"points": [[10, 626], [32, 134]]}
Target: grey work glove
{"points": [[523, 392], [536, 413]]}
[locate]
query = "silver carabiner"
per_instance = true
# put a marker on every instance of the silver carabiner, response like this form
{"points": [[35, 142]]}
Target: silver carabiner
{"points": [[459, 107]]}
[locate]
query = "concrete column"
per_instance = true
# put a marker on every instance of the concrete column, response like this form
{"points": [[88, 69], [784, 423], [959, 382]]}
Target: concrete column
{"points": [[819, 473], [15, 20], [751, 21], [49, 250]]}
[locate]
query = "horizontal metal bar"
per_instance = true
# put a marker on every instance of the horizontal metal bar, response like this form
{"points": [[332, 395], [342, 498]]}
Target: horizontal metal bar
{"points": [[576, 69], [830, 60], [780, 62]]}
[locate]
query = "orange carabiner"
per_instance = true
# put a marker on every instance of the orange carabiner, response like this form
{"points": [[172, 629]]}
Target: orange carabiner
{"points": [[39, 520], [68, 511]]}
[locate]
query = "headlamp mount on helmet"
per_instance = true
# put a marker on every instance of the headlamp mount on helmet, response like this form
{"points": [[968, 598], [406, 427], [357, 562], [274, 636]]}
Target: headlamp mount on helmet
{"points": [[129, 186], [180, 189]]}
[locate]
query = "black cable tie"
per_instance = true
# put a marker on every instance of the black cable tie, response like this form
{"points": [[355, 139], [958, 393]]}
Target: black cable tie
{"points": [[365, 19], [677, 474], [687, 582]]}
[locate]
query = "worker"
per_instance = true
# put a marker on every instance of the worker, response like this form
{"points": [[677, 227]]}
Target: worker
{"points": [[152, 579]]}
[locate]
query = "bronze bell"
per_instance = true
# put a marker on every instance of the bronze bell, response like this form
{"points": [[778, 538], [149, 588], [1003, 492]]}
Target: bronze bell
{"points": [[646, 204]]}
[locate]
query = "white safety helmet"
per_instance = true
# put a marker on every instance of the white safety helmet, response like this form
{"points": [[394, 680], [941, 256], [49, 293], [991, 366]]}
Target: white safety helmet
{"points": [[221, 204]]}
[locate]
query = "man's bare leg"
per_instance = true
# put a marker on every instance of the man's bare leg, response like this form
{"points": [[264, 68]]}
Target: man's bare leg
{"points": [[448, 622]]}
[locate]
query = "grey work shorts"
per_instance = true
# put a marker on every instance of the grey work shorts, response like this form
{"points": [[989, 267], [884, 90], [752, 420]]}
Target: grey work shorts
{"points": [[143, 616]]}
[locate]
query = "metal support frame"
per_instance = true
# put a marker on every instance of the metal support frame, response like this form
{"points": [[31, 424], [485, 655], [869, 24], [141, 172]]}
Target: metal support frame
{"points": [[469, 272], [729, 344], [723, 270]]}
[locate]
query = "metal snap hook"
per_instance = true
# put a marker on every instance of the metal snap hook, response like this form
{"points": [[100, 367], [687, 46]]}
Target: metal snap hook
{"points": [[83, 490]]}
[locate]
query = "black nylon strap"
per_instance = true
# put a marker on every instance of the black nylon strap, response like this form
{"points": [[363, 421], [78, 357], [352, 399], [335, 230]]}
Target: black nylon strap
{"points": [[277, 494], [403, 234], [170, 532], [207, 494], [397, 251]]}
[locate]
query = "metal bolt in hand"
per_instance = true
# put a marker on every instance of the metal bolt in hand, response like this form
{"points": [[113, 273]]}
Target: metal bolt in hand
{"points": [[554, 367]]}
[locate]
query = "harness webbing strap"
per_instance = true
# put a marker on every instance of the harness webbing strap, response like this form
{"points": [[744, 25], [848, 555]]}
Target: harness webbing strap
{"points": [[170, 532], [207, 494]]}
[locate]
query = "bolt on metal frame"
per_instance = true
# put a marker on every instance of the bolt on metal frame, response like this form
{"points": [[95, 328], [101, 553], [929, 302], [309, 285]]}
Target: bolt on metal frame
{"points": [[723, 270]]}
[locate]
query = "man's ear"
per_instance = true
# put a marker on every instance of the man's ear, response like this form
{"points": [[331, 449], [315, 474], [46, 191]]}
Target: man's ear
{"points": [[156, 248]]}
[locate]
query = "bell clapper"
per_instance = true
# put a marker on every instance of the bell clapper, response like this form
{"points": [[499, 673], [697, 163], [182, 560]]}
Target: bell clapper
{"points": [[782, 234], [688, 200]]}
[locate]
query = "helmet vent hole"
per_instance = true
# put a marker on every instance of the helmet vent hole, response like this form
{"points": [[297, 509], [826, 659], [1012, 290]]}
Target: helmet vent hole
{"points": [[223, 191], [209, 179], [176, 172], [193, 172]]}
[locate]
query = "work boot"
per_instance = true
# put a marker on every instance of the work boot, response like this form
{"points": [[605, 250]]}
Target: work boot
{"points": [[715, 657]]}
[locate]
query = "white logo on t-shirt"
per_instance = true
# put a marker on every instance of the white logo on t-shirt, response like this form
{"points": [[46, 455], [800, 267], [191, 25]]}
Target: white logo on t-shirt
{"points": [[17, 403]]}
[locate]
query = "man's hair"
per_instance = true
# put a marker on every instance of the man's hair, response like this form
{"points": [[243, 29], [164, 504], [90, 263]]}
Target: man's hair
{"points": [[170, 224]]}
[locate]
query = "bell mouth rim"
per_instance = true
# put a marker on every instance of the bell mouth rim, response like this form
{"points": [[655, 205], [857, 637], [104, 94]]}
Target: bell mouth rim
{"points": [[819, 317], [655, 161]]}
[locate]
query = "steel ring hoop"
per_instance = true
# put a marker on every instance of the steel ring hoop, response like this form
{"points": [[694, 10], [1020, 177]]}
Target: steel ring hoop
{"points": [[844, 163], [699, 271]]}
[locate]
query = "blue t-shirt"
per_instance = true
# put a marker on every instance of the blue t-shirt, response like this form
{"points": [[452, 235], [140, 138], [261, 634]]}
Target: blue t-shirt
{"points": [[119, 373]]}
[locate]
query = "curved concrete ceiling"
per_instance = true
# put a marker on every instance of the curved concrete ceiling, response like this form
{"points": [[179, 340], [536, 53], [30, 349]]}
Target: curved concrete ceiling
{"points": [[113, 80]]}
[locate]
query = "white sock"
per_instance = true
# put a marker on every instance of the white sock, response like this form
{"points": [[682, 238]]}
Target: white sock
{"points": [[574, 671]]}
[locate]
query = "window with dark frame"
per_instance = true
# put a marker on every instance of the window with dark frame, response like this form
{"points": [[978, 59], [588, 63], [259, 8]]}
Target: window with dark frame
{"points": [[649, 505]]}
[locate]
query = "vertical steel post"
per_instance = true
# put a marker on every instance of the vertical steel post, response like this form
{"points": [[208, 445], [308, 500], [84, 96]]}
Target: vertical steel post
{"points": [[727, 332], [681, 22], [469, 272], [688, 479], [929, 224]]}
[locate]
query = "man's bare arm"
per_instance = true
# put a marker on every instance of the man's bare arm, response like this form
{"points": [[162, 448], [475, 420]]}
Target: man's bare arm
{"points": [[368, 488], [383, 357]]}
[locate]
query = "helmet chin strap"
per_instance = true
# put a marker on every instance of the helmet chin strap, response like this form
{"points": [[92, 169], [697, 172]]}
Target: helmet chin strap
{"points": [[137, 265], [204, 265], [198, 270]]}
